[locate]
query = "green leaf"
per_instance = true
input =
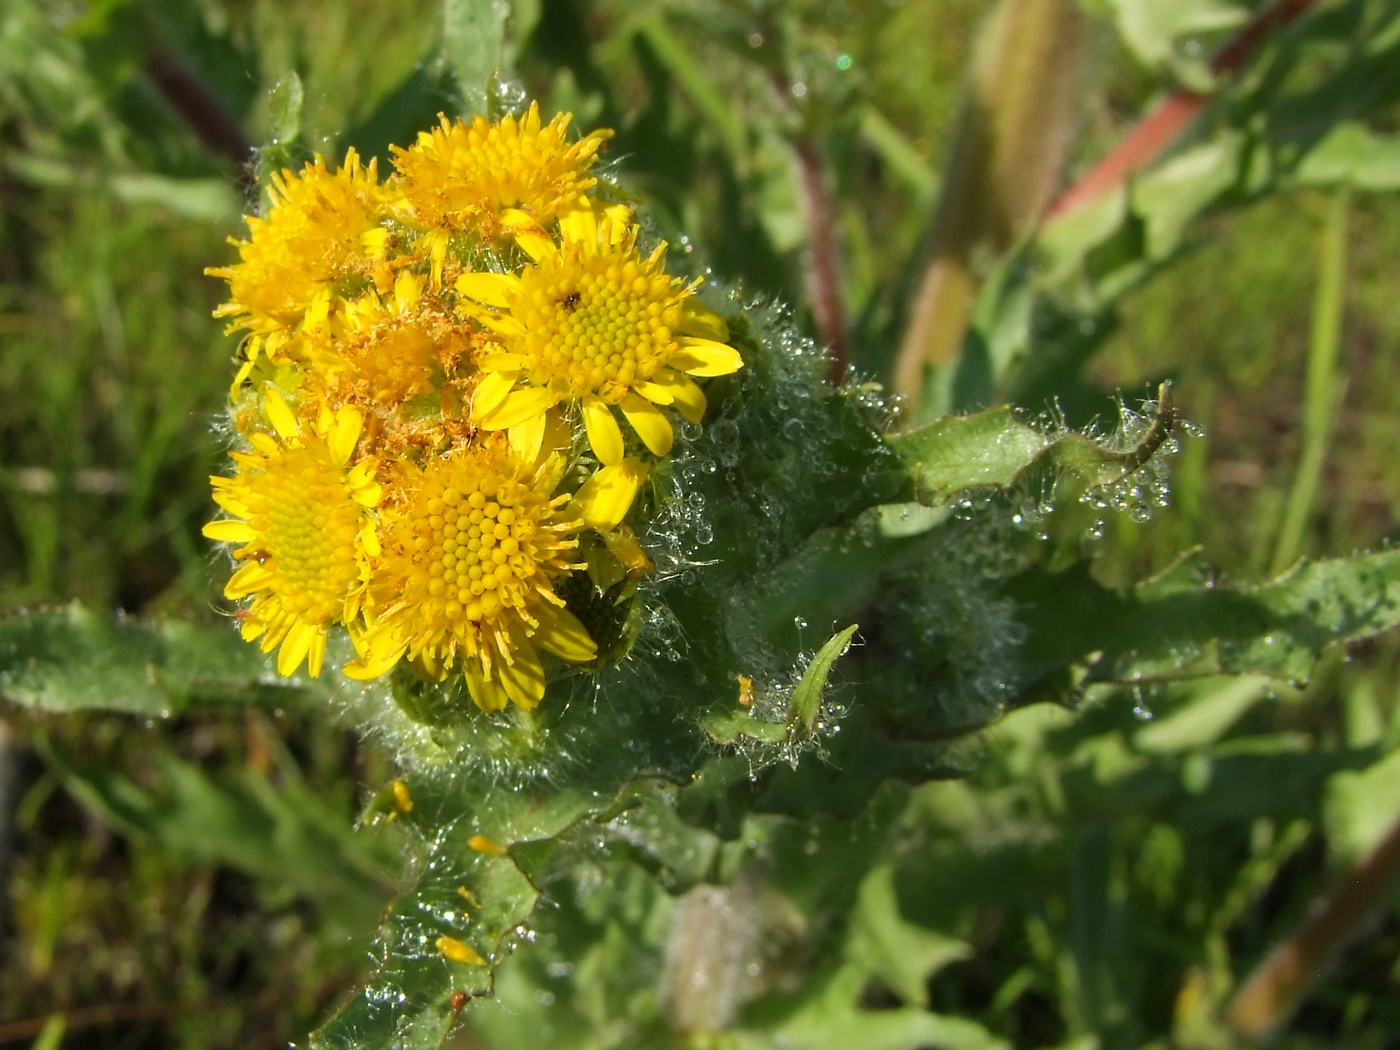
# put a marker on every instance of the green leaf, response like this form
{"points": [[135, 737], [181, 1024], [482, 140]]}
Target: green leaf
{"points": [[806, 703], [1350, 154], [284, 113], [1215, 706], [1184, 624], [996, 448], [473, 45], [901, 954], [287, 837], [1153, 29], [74, 659], [1360, 806]]}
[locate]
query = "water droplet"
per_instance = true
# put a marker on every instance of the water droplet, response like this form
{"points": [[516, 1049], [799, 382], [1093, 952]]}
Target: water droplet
{"points": [[843, 62], [799, 89]]}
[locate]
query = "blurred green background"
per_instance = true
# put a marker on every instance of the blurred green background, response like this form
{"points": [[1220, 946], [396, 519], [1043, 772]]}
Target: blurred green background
{"points": [[123, 124]]}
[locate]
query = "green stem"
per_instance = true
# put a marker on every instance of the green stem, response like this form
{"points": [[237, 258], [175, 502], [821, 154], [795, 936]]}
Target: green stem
{"points": [[1322, 385]]}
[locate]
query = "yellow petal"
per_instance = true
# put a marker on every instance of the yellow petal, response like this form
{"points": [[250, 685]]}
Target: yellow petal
{"points": [[654, 393], [486, 693], [295, 648], [491, 391], [518, 406], [373, 664], [349, 421], [579, 226], [700, 320], [527, 437], [252, 577], [493, 289], [523, 678], [229, 530], [502, 362], [606, 497], [535, 244], [649, 423], [316, 655], [604, 435], [563, 635], [368, 495], [623, 544], [686, 395], [281, 417], [264, 443], [705, 357]]}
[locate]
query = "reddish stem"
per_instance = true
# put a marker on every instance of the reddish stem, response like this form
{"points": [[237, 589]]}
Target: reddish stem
{"points": [[822, 269], [1266, 999], [1160, 128]]}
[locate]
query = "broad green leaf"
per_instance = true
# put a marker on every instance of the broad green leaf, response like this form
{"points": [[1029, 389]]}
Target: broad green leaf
{"points": [[1216, 704], [73, 659], [830, 1018], [1154, 30], [996, 448], [1360, 807], [1351, 154], [901, 954], [1184, 624], [473, 43]]}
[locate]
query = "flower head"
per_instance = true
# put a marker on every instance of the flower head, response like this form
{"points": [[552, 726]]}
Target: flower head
{"points": [[315, 234], [299, 518], [472, 548], [471, 177], [594, 322]]}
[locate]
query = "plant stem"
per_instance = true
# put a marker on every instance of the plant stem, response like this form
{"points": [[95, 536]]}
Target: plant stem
{"points": [[822, 269], [1012, 134], [1279, 983], [204, 113], [1322, 386], [1160, 128]]}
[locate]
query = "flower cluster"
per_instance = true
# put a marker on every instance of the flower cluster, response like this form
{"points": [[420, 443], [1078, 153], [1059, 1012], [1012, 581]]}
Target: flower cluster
{"points": [[454, 382]]}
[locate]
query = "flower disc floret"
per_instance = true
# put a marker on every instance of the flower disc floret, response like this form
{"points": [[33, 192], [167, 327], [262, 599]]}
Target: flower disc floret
{"points": [[304, 538], [473, 545]]}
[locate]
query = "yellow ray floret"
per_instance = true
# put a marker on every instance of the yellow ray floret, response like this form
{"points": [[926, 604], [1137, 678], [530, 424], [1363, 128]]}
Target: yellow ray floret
{"points": [[465, 177], [593, 322], [298, 516], [473, 543], [322, 227]]}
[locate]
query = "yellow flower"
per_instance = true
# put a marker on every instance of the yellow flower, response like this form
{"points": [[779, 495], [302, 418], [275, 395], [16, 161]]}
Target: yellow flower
{"points": [[388, 350], [473, 544], [299, 517], [593, 322], [463, 177], [322, 227]]}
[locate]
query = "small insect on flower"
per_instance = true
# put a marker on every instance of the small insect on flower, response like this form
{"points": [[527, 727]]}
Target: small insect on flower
{"points": [[458, 1000]]}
